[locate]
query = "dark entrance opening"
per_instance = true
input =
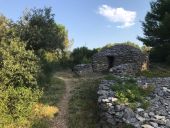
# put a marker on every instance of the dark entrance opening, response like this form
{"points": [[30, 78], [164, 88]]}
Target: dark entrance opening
{"points": [[110, 61]]}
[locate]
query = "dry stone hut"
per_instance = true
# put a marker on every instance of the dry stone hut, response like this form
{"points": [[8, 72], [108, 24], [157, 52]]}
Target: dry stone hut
{"points": [[120, 57]]}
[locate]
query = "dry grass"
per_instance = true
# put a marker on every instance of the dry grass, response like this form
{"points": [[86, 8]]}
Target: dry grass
{"points": [[45, 111]]}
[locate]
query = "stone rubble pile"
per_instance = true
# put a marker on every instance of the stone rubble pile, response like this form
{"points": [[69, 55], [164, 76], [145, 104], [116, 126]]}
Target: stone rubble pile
{"points": [[157, 115], [83, 69]]}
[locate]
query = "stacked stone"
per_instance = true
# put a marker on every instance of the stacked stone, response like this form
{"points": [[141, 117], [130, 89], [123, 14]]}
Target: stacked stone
{"points": [[157, 115], [128, 69], [122, 54], [83, 69], [100, 63]]}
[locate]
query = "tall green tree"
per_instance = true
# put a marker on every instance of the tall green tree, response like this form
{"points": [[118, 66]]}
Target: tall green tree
{"points": [[38, 29], [156, 30], [6, 28]]}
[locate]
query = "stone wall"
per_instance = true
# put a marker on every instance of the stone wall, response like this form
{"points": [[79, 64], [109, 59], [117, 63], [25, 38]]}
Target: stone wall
{"points": [[129, 69], [83, 69], [122, 54], [156, 116]]}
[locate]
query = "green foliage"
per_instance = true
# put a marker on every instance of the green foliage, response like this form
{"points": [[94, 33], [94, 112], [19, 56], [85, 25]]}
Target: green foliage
{"points": [[16, 106], [7, 31], [83, 109], [4, 23], [156, 30], [38, 29], [19, 69], [49, 60], [82, 55], [18, 66], [125, 43], [155, 73], [156, 70], [41, 123], [129, 93], [53, 90]]}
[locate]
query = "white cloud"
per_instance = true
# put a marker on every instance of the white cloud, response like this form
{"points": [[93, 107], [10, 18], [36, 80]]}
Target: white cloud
{"points": [[118, 15]]}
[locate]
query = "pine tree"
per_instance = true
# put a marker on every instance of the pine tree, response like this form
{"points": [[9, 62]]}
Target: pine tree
{"points": [[156, 29]]}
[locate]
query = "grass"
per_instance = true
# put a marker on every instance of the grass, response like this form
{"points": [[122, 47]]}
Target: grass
{"points": [[130, 94], [156, 70], [53, 90], [83, 109]]}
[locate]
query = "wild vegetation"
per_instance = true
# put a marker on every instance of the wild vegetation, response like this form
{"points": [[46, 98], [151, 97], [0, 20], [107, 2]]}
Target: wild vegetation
{"points": [[26, 52], [83, 109], [35, 47], [129, 93], [156, 30]]}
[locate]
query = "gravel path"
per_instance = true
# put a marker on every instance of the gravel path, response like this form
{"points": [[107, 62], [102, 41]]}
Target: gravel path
{"points": [[61, 119]]}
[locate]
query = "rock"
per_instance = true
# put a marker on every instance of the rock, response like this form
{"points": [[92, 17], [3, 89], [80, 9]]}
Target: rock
{"points": [[109, 104], [119, 107], [155, 125], [102, 92], [159, 117], [146, 115], [111, 110], [168, 123], [162, 122], [128, 114], [111, 121], [105, 100], [141, 119], [112, 99], [166, 89], [151, 114], [119, 114], [140, 109], [147, 126]]}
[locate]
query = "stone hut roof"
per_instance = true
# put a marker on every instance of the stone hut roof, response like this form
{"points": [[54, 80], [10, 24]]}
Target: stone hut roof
{"points": [[120, 49]]}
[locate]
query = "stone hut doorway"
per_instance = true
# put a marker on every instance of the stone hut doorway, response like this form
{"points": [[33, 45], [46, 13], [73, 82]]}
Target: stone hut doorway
{"points": [[110, 61]]}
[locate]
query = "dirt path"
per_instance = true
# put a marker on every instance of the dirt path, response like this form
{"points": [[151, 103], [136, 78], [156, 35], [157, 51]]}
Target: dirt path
{"points": [[61, 120], [70, 81]]}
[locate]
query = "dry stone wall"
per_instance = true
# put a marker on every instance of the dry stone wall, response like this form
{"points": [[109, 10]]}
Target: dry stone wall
{"points": [[129, 69], [83, 69], [156, 116]]}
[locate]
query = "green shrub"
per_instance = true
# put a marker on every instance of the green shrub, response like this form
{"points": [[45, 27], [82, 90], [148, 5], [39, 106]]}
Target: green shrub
{"points": [[155, 73], [18, 66], [19, 69], [129, 93], [82, 55], [16, 106]]}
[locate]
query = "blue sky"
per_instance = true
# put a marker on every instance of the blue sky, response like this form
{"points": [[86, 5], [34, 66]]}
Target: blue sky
{"points": [[91, 23]]}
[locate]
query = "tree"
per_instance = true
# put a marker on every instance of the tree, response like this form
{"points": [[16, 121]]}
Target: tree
{"points": [[6, 28], [82, 55], [156, 30], [38, 29]]}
